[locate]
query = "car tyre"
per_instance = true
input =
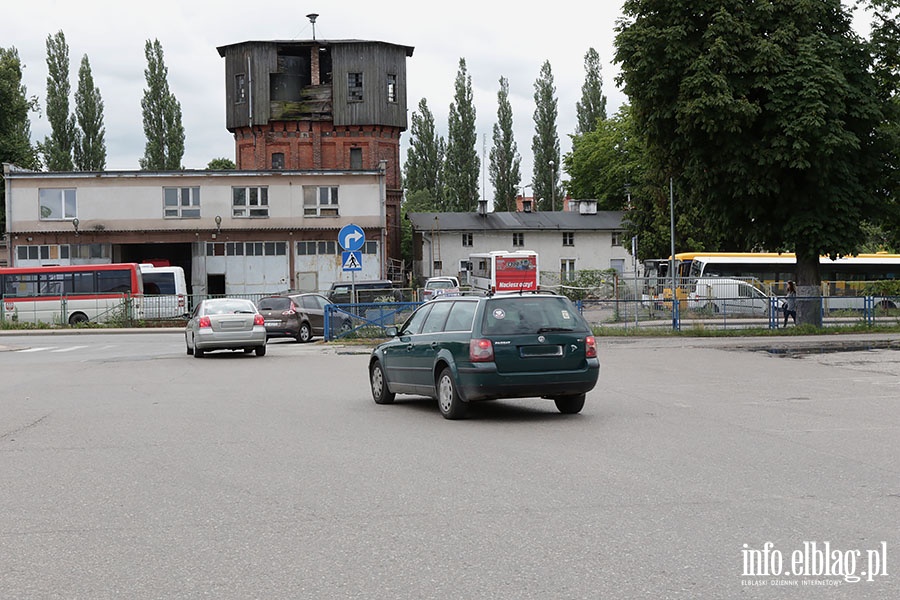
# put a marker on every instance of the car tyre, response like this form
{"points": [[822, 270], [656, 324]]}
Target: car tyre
{"points": [[570, 405], [449, 402], [305, 333], [198, 353], [190, 351], [380, 392], [260, 350]]}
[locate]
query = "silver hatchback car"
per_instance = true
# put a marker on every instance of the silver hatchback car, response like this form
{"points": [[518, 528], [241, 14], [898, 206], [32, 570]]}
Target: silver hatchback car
{"points": [[225, 324]]}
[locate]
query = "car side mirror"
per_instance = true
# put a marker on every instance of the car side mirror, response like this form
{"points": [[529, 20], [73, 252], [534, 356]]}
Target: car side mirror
{"points": [[390, 331]]}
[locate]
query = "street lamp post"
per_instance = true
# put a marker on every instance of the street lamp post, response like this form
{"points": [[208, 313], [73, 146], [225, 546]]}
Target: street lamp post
{"points": [[552, 186]]}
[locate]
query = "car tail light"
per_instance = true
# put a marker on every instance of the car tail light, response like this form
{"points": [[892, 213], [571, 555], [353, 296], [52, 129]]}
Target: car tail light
{"points": [[590, 347], [259, 320], [481, 350], [204, 322], [180, 301]]}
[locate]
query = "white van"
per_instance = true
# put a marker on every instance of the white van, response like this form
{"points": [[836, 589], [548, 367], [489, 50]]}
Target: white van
{"points": [[165, 292], [729, 296]]}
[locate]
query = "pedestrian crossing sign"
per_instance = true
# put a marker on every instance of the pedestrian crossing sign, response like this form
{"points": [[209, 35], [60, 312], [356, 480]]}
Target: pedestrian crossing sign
{"points": [[352, 261]]}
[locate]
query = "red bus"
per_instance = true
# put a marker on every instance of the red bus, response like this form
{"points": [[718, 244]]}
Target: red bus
{"points": [[501, 271], [71, 294]]}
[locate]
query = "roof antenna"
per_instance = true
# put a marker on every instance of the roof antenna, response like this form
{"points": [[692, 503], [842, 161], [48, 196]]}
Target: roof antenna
{"points": [[312, 19]]}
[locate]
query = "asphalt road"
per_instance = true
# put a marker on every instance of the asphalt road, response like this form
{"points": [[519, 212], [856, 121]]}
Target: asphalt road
{"points": [[130, 470]]}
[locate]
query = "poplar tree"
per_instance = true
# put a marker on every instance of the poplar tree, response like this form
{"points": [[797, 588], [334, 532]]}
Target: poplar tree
{"points": [[90, 135], [15, 127], [545, 144], [592, 107], [162, 116], [505, 160], [423, 170], [57, 149], [461, 167]]}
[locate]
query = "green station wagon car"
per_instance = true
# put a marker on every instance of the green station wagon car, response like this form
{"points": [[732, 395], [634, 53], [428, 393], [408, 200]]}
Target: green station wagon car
{"points": [[471, 348]]}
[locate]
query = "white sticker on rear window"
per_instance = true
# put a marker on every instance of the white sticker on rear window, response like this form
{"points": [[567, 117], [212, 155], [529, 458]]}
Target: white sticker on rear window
{"points": [[566, 315], [499, 313]]}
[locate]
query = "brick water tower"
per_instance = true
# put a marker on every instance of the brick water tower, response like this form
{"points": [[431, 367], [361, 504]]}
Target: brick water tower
{"points": [[320, 105]]}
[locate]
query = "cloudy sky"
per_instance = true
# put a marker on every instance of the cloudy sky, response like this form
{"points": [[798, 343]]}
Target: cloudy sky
{"points": [[509, 40]]}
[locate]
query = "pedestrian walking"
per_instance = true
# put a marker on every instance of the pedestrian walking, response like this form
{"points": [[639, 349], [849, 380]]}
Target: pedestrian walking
{"points": [[790, 303]]}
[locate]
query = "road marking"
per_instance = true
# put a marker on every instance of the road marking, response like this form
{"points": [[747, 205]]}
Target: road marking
{"points": [[37, 349], [69, 349]]}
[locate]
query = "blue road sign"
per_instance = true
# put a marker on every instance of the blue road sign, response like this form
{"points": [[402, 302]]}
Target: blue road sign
{"points": [[351, 238], [351, 261]]}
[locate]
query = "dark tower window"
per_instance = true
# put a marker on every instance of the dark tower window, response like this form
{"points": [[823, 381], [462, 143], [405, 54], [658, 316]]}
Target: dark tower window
{"points": [[240, 88], [356, 158], [278, 160], [354, 87], [391, 87]]}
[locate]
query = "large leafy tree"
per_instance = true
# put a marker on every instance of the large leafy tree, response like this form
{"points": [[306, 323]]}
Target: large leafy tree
{"points": [[885, 47], [461, 164], [15, 127], [423, 170], [58, 147], [592, 107], [504, 168], [767, 113], [162, 115], [545, 143], [610, 164], [90, 135]]}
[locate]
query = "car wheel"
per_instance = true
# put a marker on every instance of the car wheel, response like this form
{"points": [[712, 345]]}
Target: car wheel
{"points": [[305, 333], [260, 350], [449, 402], [346, 326], [190, 351], [380, 392], [570, 405], [198, 353]]}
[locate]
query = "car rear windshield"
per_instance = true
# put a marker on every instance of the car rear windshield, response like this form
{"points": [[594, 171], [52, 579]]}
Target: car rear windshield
{"points": [[439, 285], [274, 304], [530, 314]]}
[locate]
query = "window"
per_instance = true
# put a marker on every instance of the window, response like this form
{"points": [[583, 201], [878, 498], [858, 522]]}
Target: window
{"points": [[568, 238], [354, 87], [391, 87], [320, 201], [356, 158], [317, 247], [616, 238], [181, 203], [90, 251], [250, 202], [518, 240], [467, 240], [57, 204], [618, 264], [52, 252], [567, 269], [278, 160], [246, 249], [438, 265], [240, 88], [436, 318]]}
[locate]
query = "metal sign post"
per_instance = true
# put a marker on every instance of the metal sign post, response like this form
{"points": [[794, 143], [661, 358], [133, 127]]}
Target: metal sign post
{"points": [[352, 238]]}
